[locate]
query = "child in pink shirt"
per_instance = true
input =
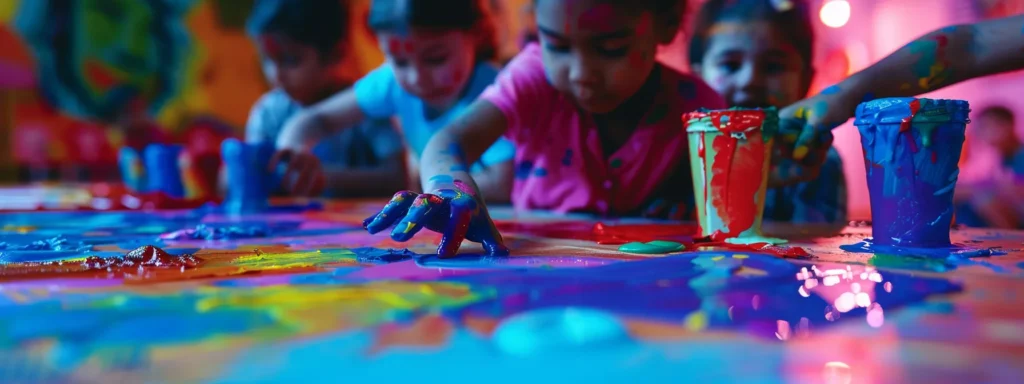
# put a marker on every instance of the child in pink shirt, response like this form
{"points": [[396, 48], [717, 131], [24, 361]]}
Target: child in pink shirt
{"points": [[594, 117]]}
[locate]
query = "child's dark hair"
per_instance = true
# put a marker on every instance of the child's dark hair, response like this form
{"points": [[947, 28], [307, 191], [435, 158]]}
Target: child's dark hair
{"points": [[466, 15], [791, 18], [322, 24]]}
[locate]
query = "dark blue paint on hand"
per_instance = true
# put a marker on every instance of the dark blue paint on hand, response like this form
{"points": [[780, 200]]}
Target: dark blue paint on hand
{"points": [[567, 159], [454, 214]]}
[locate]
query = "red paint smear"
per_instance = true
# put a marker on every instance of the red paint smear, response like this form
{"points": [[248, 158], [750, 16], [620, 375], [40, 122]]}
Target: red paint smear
{"points": [[643, 27], [602, 233], [705, 243], [144, 260], [271, 46], [99, 74], [737, 171], [934, 157], [597, 18], [145, 256], [394, 46], [409, 47], [914, 107]]}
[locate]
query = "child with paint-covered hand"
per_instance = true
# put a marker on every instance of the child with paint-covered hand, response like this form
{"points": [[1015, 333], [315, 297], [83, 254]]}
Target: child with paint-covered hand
{"points": [[438, 62], [938, 59], [758, 53], [302, 44], [596, 121]]}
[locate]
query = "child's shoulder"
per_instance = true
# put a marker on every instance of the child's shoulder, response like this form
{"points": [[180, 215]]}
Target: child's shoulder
{"points": [[275, 100], [692, 92]]}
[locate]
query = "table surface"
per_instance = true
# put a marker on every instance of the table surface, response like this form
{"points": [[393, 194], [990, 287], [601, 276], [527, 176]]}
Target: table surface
{"points": [[310, 296]]}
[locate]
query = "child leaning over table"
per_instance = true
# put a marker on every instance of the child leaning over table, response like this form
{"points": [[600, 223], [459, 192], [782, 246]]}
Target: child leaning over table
{"points": [[302, 45]]}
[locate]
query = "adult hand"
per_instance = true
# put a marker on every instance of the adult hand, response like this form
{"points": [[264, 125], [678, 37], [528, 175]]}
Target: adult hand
{"points": [[455, 214]]}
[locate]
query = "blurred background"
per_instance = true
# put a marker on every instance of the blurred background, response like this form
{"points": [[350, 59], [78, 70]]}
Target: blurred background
{"points": [[73, 70]]}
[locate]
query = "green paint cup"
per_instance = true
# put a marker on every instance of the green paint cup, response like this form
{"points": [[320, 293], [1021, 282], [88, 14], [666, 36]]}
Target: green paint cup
{"points": [[730, 152]]}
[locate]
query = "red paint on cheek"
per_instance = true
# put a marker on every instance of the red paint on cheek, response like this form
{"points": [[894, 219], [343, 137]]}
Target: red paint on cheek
{"points": [[637, 59], [597, 18], [644, 26], [270, 46], [394, 45], [409, 47]]}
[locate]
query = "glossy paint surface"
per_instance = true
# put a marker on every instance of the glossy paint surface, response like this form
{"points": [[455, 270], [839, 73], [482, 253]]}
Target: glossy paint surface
{"points": [[311, 297]]}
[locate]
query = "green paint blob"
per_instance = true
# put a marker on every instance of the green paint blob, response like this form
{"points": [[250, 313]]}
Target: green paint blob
{"points": [[616, 163], [651, 248], [910, 263]]}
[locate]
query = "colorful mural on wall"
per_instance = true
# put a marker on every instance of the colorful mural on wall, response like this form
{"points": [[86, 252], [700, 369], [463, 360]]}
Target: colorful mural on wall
{"points": [[185, 62]]}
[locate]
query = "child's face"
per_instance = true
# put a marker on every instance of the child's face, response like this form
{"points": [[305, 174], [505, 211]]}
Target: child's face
{"points": [[597, 52], [997, 132], [298, 69], [431, 65], [751, 65]]}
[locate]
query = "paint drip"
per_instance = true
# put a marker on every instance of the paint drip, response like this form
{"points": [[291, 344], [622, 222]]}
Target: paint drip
{"points": [[911, 153], [730, 154]]}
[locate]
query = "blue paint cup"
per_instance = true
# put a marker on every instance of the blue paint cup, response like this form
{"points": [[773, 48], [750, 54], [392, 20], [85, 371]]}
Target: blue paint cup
{"points": [[132, 169], [911, 152], [162, 171], [249, 182]]}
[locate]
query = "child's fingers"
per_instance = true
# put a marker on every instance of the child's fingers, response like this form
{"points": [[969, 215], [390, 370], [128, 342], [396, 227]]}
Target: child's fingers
{"points": [[279, 157], [394, 210], [455, 232], [423, 208], [308, 175], [804, 142], [495, 247]]}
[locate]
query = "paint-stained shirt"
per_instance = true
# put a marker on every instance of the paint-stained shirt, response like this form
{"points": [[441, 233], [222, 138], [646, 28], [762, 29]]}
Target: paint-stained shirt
{"points": [[380, 96], [560, 164], [822, 200]]}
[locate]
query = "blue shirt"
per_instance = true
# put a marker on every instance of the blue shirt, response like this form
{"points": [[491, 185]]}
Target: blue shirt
{"points": [[380, 96], [822, 200]]}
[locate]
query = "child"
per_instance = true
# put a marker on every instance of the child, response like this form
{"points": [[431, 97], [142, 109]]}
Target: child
{"points": [[995, 200], [757, 53], [936, 60], [301, 43], [437, 64], [595, 119]]}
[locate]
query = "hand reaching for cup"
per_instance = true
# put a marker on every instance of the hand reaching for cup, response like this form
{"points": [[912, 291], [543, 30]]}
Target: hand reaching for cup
{"points": [[805, 136], [455, 214], [304, 175]]}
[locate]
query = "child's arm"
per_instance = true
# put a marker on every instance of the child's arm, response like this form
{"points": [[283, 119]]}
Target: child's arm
{"points": [[381, 180], [319, 121], [936, 60], [452, 203], [495, 182]]}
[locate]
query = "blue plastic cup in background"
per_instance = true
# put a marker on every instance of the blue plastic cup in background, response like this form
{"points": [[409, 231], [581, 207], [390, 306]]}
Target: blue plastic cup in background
{"points": [[162, 170], [249, 182]]}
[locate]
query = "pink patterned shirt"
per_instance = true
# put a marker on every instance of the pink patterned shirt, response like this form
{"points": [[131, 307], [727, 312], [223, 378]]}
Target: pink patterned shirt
{"points": [[560, 165]]}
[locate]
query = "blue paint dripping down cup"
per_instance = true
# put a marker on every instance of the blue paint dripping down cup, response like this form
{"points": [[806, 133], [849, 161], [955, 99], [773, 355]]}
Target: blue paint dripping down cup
{"points": [[162, 171], [133, 170], [911, 154], [249, 181]]}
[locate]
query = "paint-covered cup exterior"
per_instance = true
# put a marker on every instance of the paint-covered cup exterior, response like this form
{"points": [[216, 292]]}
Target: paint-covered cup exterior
{"points": [[730, 152], [911, 154], [132, 169], [163, 173], [249, 183]]}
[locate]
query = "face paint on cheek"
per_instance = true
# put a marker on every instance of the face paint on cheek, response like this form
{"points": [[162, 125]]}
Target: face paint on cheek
{"points": [[394, 45], [598, 18], [271, 46], [410, 48], [645, 25]]}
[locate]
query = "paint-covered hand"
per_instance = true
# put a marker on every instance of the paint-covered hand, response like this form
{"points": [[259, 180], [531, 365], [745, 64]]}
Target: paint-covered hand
{"points": [[303, 176], [455, 214], [805, 136]]}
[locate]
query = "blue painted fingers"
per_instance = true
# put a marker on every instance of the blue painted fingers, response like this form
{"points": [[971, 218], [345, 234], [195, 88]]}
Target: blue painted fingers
{"points": [[454, 214]]}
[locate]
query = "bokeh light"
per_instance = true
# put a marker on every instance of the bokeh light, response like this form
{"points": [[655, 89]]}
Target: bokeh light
{"points": [[835, 13]]}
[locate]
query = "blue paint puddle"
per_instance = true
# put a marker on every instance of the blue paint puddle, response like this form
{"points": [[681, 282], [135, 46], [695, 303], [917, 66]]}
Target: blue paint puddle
{"points": [[926, 259], [382, 256], [752, 292]]}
